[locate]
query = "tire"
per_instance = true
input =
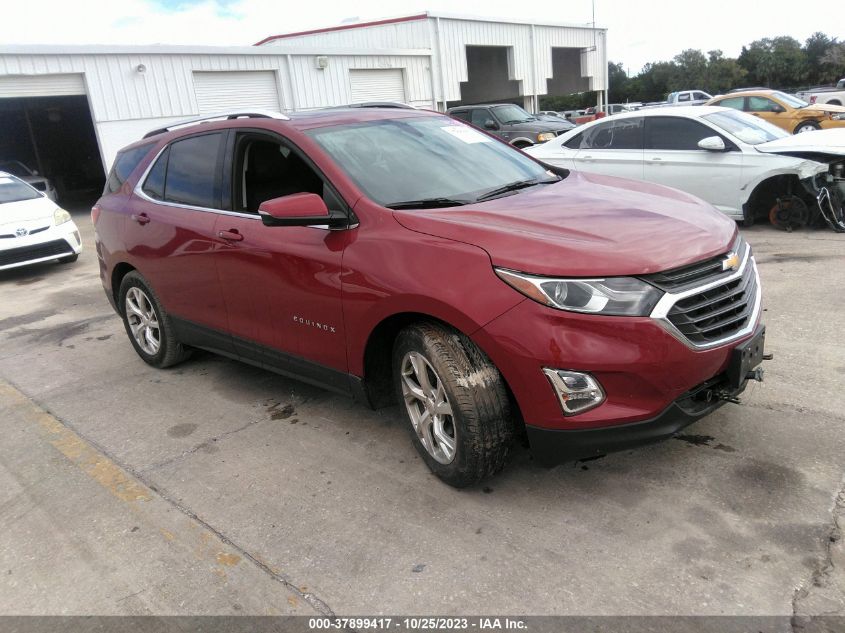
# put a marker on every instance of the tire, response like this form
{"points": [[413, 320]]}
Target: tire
{"points": [[69, 259], [143, 314], [521, 145], [806, 126], [461, 379]]}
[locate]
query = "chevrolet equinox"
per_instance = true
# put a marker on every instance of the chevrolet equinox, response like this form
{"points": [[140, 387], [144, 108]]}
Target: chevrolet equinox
{"points": [[401, 256]]}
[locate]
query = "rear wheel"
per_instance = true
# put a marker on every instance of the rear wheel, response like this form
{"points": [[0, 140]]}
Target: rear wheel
{"points": [[147, 324], [806, 126], [455, 401]]}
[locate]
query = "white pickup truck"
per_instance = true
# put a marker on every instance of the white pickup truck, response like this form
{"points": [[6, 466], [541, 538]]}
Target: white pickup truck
{"points": [[833, 95], [688, 97]]}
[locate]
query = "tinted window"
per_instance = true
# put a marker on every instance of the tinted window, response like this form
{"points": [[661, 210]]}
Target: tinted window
{"points": [[124, 164], [192, 171], [463, 115], [701, 95], [614, 134], [154, 184], [737, 103], [684, 96], [574, 142], [675, 133], [479, 116]]}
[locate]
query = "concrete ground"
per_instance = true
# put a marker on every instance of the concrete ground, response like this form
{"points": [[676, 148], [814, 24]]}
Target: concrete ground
{"points": [[217, 488]]}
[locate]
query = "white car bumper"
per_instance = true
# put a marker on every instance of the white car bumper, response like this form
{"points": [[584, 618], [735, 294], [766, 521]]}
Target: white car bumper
{"points": [[39, 244]]}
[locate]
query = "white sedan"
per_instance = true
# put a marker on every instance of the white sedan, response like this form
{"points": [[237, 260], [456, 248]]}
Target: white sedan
{"points": [[736, 162], [32, 228]]}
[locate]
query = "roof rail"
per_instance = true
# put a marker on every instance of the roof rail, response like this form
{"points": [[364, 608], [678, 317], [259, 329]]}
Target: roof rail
{"points": [[221, 116]]}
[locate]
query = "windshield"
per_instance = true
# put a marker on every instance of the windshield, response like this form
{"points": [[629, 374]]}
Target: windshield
{"points": [[748, 129], [512, 114], [15, 168], [13, 190], [792, 102], [397, 161]]}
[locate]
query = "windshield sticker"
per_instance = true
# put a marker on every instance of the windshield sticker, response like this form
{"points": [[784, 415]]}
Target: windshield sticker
{"points": [[466, 134]]}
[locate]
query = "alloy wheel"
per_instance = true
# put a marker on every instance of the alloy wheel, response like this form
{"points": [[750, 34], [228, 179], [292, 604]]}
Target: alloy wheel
{"points": [[429, 408], [143, 321]]}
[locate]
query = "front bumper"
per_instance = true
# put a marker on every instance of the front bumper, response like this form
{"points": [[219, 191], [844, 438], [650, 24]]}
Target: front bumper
{"points": [[53, 243], [552, 447]]}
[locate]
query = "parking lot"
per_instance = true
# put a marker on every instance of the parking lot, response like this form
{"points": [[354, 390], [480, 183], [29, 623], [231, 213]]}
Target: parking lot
{"points": [[218, 488]]}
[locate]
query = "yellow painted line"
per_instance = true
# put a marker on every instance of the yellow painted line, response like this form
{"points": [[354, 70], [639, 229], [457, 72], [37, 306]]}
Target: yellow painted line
{"points": [[93, 463]]}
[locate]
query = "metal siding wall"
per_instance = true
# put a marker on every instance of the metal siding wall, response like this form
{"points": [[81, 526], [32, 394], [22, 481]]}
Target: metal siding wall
{"points": [[316, 88], [397, 35], [221, 91], [593, 63]]}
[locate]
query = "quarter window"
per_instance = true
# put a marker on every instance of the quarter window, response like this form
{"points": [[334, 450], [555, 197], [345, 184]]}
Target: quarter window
{"points": [[761, 104], [675, 133], [124, 164], [156, 179]]}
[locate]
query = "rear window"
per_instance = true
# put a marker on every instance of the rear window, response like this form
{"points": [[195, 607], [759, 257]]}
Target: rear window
{"points": [[124, 164]]}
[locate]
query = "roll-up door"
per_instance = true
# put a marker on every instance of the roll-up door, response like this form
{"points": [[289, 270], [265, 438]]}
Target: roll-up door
{"points": [[382, 84], [227, 91]]}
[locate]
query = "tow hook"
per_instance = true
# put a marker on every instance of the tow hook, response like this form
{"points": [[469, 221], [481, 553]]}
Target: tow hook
{"points": [[755, 374]]}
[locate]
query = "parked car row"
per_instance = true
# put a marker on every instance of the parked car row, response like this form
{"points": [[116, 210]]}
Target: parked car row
{"points": [[512, 123], [742, 165]]}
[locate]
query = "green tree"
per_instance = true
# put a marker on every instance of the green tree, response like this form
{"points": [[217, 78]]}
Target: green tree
{"points": [[723, 73], [816, 47], [617, 80]]}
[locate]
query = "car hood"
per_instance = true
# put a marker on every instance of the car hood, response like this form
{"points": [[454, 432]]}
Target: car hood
{"points": [[586, 225], [819, 141], [18, 214], [815, 108]]}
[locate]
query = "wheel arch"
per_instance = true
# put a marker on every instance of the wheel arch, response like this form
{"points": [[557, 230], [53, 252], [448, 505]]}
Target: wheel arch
{"points": [[118, 273], [378, 353]]}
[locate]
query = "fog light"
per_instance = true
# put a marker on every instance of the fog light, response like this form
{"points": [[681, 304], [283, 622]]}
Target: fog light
{"points": [[577, 392]]}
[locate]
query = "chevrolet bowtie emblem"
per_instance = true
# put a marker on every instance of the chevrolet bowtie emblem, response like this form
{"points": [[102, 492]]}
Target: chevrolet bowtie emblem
{"points": [[731, 262]]}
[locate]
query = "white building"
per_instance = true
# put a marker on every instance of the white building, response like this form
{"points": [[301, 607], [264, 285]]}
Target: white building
{"points": [[67, 110]]}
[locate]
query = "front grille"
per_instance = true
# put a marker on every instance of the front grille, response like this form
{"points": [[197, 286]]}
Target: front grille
{"points": [[695, 274], [718, 313], [6, 236], [55, 248]]}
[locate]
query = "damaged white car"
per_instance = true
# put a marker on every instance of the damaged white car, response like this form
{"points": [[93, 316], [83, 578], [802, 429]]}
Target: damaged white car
{"points": [[745, 167]]}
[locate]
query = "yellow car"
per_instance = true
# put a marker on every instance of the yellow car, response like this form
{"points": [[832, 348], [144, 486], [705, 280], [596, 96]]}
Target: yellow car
{"points": [[787, 112]]}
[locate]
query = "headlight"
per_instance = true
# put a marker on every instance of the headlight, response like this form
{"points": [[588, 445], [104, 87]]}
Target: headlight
{"points": [[545, 136], [619, 296], [60, 216]]}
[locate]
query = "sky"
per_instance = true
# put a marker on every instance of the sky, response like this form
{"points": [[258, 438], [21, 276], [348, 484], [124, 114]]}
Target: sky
{"points": [[639, 31]]}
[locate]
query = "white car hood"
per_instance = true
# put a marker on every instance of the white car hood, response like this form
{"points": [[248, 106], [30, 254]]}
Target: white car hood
{"points": [[817, 142], [24, 211]]}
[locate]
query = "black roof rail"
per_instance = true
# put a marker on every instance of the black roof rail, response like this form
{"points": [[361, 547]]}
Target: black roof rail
{"points": [[221, 116]]}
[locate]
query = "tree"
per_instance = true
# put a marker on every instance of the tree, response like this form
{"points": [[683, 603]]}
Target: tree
{"points": [[617, 80], [816, 48], [778, 62], [723, 73]]}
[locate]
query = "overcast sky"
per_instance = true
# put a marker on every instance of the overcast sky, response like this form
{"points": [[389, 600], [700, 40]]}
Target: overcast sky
{"points": [[640, 31]]}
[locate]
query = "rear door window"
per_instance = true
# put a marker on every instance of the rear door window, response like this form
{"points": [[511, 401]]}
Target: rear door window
{"points": [[463, 115], [480, 116], [737, 103], [193, 171]]}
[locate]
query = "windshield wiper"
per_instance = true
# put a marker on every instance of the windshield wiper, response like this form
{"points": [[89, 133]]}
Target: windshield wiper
{"points": [[427, 203], [512, 186]]}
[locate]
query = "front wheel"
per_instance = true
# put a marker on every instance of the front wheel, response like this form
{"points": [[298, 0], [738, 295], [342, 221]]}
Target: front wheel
{"points": [[147, 324], [455, 401], [807, 126]]}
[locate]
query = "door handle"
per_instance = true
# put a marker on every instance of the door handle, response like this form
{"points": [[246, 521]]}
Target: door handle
{"points": [[231, 235], [587, 158], [141, 218]]}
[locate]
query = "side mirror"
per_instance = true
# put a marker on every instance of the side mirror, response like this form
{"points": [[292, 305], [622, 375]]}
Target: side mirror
{"points": [[298, 209], [35, 172], [490, 124], [778, 109], [712, 144]]}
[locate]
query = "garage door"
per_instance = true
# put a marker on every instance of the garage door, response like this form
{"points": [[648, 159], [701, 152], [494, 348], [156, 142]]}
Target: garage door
{"points": [[227, 91], [383, 84], [41, 85]]}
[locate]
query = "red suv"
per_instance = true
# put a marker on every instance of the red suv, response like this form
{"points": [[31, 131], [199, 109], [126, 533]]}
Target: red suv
{"points": [[401, 256]]}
